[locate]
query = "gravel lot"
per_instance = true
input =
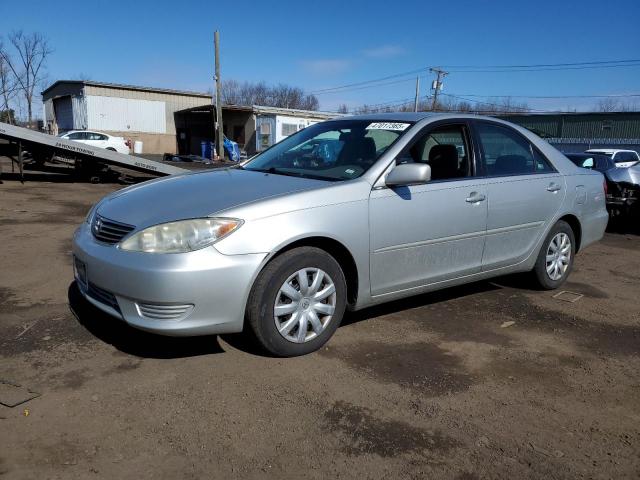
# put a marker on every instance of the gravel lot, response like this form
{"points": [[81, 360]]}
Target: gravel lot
{"points": [[430, 387]]}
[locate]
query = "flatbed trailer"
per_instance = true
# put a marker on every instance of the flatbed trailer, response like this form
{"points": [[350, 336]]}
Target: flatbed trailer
{"points": [[44, 147]]}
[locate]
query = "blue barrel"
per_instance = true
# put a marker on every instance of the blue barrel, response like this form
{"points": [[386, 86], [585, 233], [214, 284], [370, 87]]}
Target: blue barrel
{"points": [[206, 147]]}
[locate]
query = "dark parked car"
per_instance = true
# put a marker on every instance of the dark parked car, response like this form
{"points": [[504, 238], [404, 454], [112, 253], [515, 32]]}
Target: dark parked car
{"points": [[593, 161], [623, 183]]}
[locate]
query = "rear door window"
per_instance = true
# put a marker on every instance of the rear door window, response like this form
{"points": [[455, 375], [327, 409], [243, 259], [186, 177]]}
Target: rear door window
{"points": [[505, 152]]}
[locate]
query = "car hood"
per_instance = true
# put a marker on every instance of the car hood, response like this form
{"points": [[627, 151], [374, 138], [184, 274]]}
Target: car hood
{"points": [[625, 174], [197, 195]]}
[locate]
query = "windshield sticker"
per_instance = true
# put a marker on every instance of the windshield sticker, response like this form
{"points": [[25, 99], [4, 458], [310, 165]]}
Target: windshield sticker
{"points": [[388, 126]]}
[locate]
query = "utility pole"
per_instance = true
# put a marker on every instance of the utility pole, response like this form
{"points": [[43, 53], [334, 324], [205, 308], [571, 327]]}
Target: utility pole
{"points": [[220, 131], [436, 86], [415, 106]]}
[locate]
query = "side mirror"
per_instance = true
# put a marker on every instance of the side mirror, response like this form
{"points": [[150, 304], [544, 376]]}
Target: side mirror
{"points": [[408, 174]]}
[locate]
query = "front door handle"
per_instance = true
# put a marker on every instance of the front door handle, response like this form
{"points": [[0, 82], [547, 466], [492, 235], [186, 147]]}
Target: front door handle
{"points": [[553, 187], [475, 197]]}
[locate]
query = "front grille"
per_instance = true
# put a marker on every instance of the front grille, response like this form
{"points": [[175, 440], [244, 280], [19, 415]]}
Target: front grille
{"points": [[108, 231], [102, 296], [164, 312]]}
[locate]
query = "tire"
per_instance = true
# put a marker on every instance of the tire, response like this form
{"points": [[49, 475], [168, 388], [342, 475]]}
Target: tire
{"points": [[282, 273], [550, 280]]}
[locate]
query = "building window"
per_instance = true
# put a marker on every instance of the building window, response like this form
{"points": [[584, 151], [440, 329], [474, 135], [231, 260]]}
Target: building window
{"points": [[289, 129]]}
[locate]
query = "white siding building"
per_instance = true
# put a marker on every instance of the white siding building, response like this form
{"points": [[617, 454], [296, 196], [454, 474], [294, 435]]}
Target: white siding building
{"points": [[137, 113]]}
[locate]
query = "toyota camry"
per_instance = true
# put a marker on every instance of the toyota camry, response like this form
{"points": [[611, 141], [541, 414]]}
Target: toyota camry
{"points": [[342, 215]]}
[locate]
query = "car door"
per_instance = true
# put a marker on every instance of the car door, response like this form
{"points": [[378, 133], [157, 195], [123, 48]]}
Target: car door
{"points": [[103, 141], [92, 139], [423, 234], [524, 191]]}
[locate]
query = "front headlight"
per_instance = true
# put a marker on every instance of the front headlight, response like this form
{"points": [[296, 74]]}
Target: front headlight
{"points": [[182, 236]]}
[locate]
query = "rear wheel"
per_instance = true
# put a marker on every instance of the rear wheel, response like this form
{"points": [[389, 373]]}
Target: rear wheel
{"points": [[555, 259], [297, 302]]}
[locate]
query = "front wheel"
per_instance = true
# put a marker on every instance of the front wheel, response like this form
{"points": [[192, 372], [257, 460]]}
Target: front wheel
{"points": [[555, 259], [297, 302]]}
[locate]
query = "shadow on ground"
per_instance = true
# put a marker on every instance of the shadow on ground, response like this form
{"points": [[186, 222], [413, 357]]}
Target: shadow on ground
{"points": [[136, 342], [142, 344], [625, 224], [67, 174], [431, 298]]}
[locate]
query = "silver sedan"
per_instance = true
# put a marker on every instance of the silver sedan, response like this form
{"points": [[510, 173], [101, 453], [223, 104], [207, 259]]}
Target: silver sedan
{"points": [[344, 214]]}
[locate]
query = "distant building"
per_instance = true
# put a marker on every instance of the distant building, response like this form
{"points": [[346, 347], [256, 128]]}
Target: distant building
{"points": [[254, 128], [575, 132], [138, 113], [166, 121]]}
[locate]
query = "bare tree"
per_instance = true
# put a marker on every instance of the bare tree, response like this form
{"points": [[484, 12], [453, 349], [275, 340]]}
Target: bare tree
{"points": [[282, 95], [608, 105], [28, 68], [343, 108], [616, 105], [7, 87]]}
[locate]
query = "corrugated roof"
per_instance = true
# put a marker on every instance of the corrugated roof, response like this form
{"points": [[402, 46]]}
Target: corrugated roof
{"points": [[267, 110], [120, 86]]}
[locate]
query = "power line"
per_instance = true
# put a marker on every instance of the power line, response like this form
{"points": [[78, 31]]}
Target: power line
{"points": [[364, 87], [616, 95], [517, 110], [599, 62], [389, 77], [484, 69], [388, 104], [545, 69]]}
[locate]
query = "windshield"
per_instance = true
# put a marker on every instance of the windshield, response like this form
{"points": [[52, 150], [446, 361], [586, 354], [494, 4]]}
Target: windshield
{"points": [[333, 150]]}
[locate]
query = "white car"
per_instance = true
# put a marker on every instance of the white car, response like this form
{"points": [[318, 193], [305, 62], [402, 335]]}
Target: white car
{"points": [[622, 158], [98, 139]]}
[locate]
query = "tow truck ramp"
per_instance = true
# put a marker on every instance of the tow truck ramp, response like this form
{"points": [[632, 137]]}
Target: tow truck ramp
{"points": [[46, 147]]}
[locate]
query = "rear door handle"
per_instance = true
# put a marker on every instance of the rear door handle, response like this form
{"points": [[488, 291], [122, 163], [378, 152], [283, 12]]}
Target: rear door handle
{"points": [[475, 197], [553, 187]]}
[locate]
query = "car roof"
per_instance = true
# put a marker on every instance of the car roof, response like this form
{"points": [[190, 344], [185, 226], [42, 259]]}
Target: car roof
{"points": [[89, 131], [417, 116], [586, 155], [607, 150], [390, 117]]}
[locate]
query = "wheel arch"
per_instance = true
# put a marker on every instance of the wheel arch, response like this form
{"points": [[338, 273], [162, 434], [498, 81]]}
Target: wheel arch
{"points": [[334, 248], [575, 225]]}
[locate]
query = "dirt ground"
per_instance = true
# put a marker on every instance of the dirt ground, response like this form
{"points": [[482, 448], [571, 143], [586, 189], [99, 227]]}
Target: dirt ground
{"points": [[431, 387]]}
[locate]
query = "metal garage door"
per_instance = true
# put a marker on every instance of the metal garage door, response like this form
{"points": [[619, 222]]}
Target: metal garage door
{"points": [[64, 113]]}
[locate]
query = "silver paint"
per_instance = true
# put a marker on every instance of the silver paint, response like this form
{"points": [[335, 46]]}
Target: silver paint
{"points": [[403, 240]]}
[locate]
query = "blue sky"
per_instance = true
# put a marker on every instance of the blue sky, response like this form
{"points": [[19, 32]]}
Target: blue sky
{"points": [[322, 44]]}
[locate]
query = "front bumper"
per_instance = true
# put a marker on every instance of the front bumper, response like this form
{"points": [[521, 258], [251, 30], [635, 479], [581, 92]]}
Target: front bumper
{"points": [[197, 293]]}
